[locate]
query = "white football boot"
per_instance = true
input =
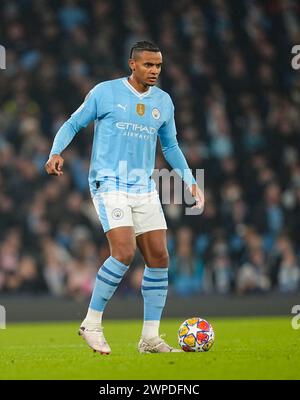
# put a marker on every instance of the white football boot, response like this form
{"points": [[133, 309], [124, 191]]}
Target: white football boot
{"points": [[94, 337], [155, 345]]}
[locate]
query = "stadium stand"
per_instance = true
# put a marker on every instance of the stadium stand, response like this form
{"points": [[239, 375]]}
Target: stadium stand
{"points": [[227, 66]]}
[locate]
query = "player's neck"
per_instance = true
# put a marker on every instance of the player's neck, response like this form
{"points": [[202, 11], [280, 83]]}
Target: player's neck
{"points": [[138, 86]]}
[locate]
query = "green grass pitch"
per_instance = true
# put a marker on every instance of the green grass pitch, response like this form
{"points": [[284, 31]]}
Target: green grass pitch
{"points": [[245, 348]]}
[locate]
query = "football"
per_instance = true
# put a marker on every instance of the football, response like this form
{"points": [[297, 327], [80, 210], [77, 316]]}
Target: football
{"points": [[196, 334]]}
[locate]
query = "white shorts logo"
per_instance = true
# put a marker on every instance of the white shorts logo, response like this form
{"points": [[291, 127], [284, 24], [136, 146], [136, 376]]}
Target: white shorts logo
{"points": [[155, 113], [117, 213]]}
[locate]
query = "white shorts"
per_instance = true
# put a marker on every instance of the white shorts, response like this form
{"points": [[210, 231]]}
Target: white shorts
{"points": [[143, 211]]}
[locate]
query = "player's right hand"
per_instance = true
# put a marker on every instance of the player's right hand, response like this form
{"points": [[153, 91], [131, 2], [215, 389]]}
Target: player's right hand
{"points": [[54, 165]]}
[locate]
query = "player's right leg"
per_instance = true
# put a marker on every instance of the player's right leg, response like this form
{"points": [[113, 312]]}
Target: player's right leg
{"points": [[122, 245]]}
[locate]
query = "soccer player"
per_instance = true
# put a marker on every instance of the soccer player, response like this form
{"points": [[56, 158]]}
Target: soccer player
{"points": [[129, 114]]}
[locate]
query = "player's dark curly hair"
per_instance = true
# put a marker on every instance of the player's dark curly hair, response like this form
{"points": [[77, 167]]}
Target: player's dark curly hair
{"points": [[143, 46]]}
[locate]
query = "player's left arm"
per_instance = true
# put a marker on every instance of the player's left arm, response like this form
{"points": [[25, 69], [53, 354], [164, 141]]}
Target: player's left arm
{"points": [[174, 156]]}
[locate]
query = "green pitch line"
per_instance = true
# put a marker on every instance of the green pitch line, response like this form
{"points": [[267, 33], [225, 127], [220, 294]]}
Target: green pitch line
{"points": [[248, 348]]}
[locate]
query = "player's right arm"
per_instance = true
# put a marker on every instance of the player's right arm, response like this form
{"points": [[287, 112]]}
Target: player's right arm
{"points": [[85, 114]]}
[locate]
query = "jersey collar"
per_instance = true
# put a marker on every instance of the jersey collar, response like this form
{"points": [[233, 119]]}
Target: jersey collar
{"points": [[134, 91]]}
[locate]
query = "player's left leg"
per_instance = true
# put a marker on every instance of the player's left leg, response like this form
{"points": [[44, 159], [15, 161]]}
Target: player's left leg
{"points": [[153, 246]]}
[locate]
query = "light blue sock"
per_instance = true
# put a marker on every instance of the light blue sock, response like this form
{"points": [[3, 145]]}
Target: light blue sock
{"points": [[154, 291], [107, 281]]}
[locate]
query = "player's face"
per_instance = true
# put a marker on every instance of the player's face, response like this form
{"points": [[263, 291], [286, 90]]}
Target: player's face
{"points": [[146, 67]]}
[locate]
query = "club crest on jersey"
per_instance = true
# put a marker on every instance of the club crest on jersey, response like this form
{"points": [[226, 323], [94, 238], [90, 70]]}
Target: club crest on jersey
{"points": [[140, 109], [155, 113]]}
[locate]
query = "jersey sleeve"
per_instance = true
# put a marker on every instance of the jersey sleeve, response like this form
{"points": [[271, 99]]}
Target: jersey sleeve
{"points": [[167, 135], [86, 113], [167, 132]]}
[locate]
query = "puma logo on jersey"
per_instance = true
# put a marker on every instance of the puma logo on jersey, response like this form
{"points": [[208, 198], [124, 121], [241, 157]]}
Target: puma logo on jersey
{"points": [[123, 107]]}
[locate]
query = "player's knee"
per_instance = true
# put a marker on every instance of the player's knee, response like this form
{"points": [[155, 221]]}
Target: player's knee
{"points": [[160, 259], [164, 259], [124, 255]]}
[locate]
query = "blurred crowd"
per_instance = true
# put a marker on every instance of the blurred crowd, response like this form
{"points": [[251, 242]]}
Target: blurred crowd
{"points": [[227, 66]]}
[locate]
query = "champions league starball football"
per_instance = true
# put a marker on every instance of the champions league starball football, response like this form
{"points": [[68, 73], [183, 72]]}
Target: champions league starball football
{"points": [[196, 334]]}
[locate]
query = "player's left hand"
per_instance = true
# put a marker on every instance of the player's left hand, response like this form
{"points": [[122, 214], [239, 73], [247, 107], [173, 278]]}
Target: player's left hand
{"points": [[198, 195], [54, 165]]}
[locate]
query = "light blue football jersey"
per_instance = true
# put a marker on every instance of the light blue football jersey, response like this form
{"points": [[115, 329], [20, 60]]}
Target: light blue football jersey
{"points": [[126, 126]]}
